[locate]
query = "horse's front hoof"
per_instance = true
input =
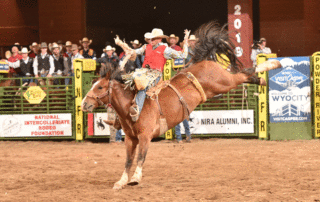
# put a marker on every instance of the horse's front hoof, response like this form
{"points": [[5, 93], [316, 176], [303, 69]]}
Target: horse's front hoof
{"points": [[133, 183], [118, 186]]}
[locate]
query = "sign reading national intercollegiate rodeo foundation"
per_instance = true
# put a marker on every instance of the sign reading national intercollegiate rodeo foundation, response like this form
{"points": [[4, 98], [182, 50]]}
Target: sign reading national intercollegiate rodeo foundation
{"points": [[36, 125]]}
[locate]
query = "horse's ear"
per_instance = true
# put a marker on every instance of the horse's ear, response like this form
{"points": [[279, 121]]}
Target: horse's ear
{"points": [[105, 72]]}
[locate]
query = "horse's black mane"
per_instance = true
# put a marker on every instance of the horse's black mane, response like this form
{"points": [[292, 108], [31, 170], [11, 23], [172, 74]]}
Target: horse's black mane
{"points": [[212, 41], [113, 70]]}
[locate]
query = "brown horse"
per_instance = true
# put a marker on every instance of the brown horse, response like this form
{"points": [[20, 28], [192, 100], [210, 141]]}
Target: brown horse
{"points": [[212, 77]]}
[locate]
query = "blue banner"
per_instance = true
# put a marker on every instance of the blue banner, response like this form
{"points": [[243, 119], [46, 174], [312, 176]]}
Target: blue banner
{"points": [[289, 91]]}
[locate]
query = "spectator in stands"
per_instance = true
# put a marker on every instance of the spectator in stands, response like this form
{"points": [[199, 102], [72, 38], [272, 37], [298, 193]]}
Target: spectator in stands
{"points": [[60, 44], [43, 62], [192, 44], [109, 56], [58, 61], [34, 50], [186, 129], [75, 55], [173, 40], [87, 52], [258, 48], [67, 59], [25, 65], [15, 56], [135, 44]]}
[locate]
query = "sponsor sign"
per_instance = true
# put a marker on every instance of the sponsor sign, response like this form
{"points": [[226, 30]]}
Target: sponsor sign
{"points": [[100, 127], [316, 92], [35, 125], [177, 63], [89, 65], [263, 112], [77, 64], [34, 95], [221, 122], [4, 67], [289, 91]]}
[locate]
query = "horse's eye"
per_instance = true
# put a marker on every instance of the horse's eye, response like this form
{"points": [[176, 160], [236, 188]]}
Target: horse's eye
{"points": [[100, 87]]}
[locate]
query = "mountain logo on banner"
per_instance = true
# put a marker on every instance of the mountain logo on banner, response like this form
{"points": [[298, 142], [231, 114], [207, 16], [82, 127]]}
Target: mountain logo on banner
{"points": [[289, 77]]}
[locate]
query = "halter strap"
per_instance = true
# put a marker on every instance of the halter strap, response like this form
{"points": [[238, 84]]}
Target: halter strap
{"points": [[98, 98]]}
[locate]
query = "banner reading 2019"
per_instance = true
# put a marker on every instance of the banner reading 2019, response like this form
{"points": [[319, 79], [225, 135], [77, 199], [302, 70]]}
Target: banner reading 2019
{"points": [[289, 91]]}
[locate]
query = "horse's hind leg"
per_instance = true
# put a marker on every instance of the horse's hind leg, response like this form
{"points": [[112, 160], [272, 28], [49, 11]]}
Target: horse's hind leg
{"points": [[131, 144], [144, 143]]}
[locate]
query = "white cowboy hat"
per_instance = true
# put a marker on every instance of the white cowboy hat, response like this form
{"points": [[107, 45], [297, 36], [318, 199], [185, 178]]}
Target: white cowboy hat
{"points": [[85, 39], [173, 36], [53, 46], [108, 48], [147, 36], [156, 33], [43, 45], [136, 42], [25, 50], [193, 38], [34, 44], [68, 43]]}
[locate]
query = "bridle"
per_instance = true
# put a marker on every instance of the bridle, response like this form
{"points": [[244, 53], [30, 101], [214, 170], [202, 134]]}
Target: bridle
{"points": [[98, 98]]}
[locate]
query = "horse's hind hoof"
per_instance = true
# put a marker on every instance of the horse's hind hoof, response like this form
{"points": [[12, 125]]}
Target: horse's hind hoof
{"points": [[133, 183]]}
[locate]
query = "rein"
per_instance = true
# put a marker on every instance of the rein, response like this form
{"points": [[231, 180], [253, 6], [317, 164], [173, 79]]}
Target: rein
{"points": [[98, 98]]}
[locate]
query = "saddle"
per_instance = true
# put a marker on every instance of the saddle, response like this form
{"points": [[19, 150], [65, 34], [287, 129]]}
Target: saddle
{"points": [[154, 92]]}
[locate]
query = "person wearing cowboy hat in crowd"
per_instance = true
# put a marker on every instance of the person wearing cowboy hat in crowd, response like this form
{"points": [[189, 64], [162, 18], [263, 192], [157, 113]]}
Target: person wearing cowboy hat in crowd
{"points": [[60, 43], [15, 56], [135, 44], [75, 55], [34, 47], [87, 52], [58, 61], [173, 40], [109, 56], [191, 48], [156, 54], [67, 58], [25, 65], [43, 62]]}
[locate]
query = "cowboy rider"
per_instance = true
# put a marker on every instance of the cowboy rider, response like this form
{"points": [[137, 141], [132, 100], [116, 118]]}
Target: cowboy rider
{"points": [[156, 54]]}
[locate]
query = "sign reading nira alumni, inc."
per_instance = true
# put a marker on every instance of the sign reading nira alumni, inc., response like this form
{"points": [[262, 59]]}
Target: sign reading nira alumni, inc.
{"points": [[34, 95]]}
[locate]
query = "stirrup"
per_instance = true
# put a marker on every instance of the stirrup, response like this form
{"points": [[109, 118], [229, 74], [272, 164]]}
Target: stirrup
{"points": [[134, 113]]}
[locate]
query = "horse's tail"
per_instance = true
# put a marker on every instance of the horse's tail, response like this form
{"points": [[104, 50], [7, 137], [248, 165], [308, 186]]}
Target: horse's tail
{"points": [[214, 44]]}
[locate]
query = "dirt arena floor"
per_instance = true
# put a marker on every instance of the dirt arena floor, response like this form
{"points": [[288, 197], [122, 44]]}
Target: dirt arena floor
{"points": [[204, 170]]}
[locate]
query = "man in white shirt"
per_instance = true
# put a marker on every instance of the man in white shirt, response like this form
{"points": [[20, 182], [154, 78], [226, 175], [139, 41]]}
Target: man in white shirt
{"points": [[43, 62]]}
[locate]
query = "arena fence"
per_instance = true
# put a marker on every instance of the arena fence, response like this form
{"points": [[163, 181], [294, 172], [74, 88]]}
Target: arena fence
{"points": [[37, 112], [53, 110]]}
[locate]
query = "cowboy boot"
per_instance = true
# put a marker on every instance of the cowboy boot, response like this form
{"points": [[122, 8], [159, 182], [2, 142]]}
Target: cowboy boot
{"points": [[134, 112]]}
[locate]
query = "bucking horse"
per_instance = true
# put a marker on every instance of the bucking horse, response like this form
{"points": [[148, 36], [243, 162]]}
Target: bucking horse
{"points": [[176, 99]]}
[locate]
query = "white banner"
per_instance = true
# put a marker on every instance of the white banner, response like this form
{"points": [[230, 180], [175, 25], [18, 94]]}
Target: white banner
{"points": [[221, 122], [35, 125]]}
